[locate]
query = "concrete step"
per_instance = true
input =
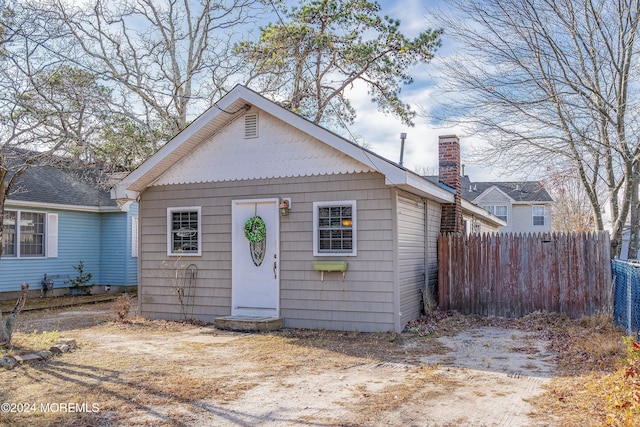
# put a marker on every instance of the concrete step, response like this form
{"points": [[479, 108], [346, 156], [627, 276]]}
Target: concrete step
{"points": [[248, 323]]}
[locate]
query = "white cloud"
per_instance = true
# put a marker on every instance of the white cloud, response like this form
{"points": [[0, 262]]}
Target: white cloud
{"points": [[381, 133]]}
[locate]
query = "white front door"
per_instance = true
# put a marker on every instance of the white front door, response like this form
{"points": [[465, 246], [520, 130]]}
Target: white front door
{"points": [[255, 282]]}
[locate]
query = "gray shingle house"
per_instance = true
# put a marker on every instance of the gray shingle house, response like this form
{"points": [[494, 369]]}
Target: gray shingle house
{"points": [[283, 218]]}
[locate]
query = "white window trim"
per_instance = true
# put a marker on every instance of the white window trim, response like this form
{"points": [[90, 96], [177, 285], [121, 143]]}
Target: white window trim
{"points": [[544, 216], [134, 236], [172, 210], [51, 235], [50, 251], [354, 227]]}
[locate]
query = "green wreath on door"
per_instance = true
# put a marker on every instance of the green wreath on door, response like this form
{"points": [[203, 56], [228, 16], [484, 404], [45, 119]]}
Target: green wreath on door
{"points": [[255, 230]]}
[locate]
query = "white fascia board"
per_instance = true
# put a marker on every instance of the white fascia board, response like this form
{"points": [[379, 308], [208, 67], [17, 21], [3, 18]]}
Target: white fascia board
{"points": [[15, 204], [473, 209], [427, 188], [488, 190], [170, 147], [120, 192], [352, 150], [123, 190]]}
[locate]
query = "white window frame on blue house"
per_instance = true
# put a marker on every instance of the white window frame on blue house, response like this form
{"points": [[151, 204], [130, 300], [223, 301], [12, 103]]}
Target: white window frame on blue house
{"points": [[49, 243], [134, 236]]}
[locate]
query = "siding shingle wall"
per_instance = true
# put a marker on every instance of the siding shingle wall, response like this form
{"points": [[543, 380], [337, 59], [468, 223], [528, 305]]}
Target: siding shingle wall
{"points": [[363, 301], [411, 255]]}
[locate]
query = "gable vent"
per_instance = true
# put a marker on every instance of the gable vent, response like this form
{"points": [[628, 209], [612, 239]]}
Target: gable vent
{"points": [[251, 125]]}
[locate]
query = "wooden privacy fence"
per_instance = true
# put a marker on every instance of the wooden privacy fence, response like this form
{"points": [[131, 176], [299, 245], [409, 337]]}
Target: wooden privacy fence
{"points": [[511, 275]]}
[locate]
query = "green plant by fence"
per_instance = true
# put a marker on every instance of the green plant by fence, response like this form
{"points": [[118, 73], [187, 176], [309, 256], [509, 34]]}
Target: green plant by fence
{"points": [[512, 275]]}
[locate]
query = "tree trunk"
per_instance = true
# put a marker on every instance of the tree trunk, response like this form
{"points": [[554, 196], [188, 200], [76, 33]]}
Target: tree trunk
{"points": [[7, 329], [3, 196], [634, 238]]}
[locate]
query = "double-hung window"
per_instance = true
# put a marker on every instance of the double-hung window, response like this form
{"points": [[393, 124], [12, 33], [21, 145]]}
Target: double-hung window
{"points": [[24, 234], [538, 215], [184, 231], [334, 228], [498, 210], [9, 234]]}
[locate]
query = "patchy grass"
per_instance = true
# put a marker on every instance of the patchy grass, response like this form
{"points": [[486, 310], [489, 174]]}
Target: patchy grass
{"points": [[149, 372], [145, 381], [603, 387], [31, 343], [412, 391], [594, 386]]}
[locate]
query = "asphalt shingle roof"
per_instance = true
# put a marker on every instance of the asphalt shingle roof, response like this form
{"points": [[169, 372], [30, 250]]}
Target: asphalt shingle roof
{"points": [[520, 191], [60, 183]]}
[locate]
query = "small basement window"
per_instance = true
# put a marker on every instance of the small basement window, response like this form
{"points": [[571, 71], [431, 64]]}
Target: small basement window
{"points": [[334, 228], [183, 231]]}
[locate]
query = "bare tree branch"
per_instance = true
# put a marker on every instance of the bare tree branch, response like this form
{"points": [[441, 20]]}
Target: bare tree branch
{"points": [[548, 82]]}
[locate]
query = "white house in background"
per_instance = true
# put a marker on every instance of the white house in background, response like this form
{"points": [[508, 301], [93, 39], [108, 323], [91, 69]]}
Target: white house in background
{"points": [[524, 205]]}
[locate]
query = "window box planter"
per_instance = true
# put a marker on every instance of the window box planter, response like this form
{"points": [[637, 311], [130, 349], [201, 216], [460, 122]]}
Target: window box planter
{"points": [[329, 266]]}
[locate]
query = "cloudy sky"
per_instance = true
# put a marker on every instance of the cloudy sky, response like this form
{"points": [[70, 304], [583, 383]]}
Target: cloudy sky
{"points": [[382, 133]]}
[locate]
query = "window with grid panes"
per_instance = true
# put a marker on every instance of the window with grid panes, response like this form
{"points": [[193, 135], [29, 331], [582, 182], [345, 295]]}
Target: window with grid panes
{"points": [[9, 233], [498, 210], [23, 234], [538, 215], [184, 231], [335, 231]]}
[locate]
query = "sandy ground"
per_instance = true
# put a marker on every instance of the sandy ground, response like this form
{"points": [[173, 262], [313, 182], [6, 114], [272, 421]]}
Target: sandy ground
{"points": [[484, 380], [482, 377], [479, 377]]}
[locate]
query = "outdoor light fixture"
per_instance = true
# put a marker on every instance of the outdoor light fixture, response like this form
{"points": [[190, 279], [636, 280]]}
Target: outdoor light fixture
{"points": [[284, 207]]}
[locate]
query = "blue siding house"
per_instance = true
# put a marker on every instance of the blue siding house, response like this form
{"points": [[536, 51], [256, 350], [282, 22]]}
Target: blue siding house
{"points": [[54, 218]]}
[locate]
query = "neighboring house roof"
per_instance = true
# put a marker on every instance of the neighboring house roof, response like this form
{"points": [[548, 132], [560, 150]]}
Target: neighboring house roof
{"points": [[518, 191], [59, 183], [468, 206], [240, 100]]}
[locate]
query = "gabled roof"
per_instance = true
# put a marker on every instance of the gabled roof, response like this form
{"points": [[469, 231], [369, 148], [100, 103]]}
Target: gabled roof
{"points": [[58, 182], [518, 191], [235, 104]]}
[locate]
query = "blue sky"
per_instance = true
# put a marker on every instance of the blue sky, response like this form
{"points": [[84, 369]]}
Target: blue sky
{"points": [[382, 133]]}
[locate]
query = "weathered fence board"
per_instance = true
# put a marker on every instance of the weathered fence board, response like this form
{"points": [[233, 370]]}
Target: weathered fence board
{"points": [[511, 275]]}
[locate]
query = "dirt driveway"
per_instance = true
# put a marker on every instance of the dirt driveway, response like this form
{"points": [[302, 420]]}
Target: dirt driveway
{"points": [[164, 373]]}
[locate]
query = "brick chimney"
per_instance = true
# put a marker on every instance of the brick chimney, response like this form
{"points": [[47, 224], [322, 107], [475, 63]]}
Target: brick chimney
{"points": [[449, 174]]}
